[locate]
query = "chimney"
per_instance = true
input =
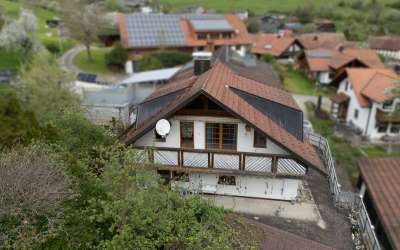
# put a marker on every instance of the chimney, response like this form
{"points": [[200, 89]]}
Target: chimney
{"points": [[341, 48], [202, 62]]}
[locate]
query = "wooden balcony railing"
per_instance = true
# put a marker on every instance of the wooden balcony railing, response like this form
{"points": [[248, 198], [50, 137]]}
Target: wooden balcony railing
{"points": [[224, 160]]}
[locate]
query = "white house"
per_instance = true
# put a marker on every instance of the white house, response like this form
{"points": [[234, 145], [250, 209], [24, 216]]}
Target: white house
{"points": [[388, 46], [366, 101], [226, 134]]}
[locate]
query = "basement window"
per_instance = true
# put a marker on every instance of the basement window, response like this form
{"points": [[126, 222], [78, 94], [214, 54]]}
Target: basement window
{"points": [[227, 180]]}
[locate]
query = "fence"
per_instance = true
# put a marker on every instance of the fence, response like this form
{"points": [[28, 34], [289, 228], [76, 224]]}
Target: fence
{"points": [[345, 199]]}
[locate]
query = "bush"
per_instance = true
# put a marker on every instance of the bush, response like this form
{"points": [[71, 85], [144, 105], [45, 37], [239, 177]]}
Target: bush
{"points": [[53, 48], [253, 25], [163, 59], [117, 57], [268, 58]]}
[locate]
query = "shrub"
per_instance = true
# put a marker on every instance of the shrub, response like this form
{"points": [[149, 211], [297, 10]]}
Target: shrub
{"points": [[53, 48], [117, 57], [268, 58], [163, 59], [148, 62]]}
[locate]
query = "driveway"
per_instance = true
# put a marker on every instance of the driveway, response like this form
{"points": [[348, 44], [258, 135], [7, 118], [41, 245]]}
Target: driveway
{"points": [[301, 99], [67, 60]]}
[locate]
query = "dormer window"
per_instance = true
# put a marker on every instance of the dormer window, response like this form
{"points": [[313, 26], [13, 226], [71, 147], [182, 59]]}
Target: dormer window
{"points": [[268, 46]]}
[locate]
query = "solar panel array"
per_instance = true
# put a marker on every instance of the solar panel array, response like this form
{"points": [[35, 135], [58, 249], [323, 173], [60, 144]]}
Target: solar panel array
{"points": [[86, 77], [211, 25], [319, 53], [155, 30]]}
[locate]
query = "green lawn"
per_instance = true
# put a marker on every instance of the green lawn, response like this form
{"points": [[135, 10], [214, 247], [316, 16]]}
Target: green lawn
{"points": [[343, 152], [97, 65], [295, 82], [258, 6]]}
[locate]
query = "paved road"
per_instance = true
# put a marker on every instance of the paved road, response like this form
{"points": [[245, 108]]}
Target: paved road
{"points": [[67, 60], [301, 99]]}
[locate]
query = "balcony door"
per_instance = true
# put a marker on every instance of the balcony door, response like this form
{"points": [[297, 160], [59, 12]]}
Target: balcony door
{"points": [[221, 136], [187, 134]]}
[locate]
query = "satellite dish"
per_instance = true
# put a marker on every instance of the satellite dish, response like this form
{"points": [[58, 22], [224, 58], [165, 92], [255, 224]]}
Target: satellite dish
{"points": [[163, 127]]}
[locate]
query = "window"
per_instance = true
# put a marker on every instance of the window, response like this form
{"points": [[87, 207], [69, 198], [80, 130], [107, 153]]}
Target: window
{"points": [[395, 128], [260, 141], [221, 136], [214, 35], [346, 86], [158, 137], [382, 127], [227, 180], [356, 113], [187, 134], [226, 35], [201, 36], [387, 104]]}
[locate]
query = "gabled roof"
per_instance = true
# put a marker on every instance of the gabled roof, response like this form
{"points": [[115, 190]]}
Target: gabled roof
{"points": [[220, 84], [372, 84], [322, 40], [271, 44], [169, 30], [324, 59], [385, 42], [381, 176]]}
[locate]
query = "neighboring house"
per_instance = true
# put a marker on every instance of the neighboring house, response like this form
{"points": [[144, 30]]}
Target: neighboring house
{"points": [[326, 25], [141, 33], [113, 103], [366, 101], [229, 134], [388, 46], [380, 192], [282, 46], [323, 40], [322, 65]]}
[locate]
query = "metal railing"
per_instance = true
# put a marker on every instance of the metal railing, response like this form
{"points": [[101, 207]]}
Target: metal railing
{"points": [[345, 199]]}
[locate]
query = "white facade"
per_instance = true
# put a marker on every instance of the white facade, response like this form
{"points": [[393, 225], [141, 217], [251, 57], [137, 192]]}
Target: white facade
{"points": [[323, 77], [244, 138], [364, 118], [246, 186]]}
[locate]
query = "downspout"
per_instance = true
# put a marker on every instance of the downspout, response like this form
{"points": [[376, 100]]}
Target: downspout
{"points": [[369, 116]]}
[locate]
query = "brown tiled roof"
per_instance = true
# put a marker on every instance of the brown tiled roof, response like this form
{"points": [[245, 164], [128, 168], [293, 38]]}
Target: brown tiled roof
{"points": [[338, 59], [322, 40], [340, 98], [277, 45], [371, 83], [218, 84], [381, 176], [385, 43]]}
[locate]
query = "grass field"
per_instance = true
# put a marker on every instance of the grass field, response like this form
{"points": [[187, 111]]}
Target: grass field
{"points": [[48, 36], [257, 6], [96, 66], [297, 83]]}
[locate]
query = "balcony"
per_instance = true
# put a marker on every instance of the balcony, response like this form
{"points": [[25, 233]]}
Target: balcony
{"points": [[222, 161]]}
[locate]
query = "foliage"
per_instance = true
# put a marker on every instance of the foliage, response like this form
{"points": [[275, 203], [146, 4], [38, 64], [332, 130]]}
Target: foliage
{"points": [[296, 82], [117, 57], [84, 22], [130, 206], [163, 59], [268, 58], [253, 25], [305, 13], [17, 126], [18, 35], [32, 190], [46, 89], [308, 28]]}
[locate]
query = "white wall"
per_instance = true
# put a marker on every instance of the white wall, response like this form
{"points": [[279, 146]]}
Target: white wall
{"points": [[363, 113], [245, 138], [246, 185], [323, 77]]}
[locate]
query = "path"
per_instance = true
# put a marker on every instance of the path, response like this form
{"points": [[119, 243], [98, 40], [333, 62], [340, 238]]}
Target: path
{"points": [[301, 99], [67, 60]]}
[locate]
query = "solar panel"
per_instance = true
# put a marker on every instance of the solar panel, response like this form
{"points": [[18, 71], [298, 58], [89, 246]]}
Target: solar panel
{"points": [[211, 25], [86, 77], [154, 30]]}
